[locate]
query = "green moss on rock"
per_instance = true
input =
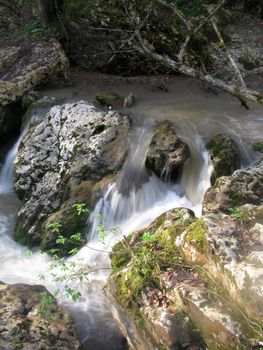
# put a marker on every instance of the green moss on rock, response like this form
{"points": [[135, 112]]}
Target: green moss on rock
{"points": [[109, 99], [258, 146], [196, 235]]}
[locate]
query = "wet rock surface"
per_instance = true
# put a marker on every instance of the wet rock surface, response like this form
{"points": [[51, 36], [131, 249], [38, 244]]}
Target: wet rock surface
{"points": [[26, 325], [67, 158], [225, 156], [167, 152]]}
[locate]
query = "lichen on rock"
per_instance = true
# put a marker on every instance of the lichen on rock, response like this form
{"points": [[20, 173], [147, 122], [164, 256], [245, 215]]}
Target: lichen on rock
{"points": [[225, 156], [88, 149]]}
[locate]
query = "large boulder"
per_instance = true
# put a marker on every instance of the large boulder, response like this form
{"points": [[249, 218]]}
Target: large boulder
{"points": [[28, 323], [167, 152], [66, 159], [225, 156], [23, 67], [244, 186], [190, 283]]}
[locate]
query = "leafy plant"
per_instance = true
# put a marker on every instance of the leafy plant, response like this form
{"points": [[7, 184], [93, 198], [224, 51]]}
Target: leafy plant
{"points": [[34, 28], [81, 208], [45, 301], [101, 232], [55, 227], [147, 237]]}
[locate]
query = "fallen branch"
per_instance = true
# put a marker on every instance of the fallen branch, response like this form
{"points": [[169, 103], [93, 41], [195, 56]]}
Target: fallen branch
{"points": [[229, 56], [192, 72], [196, 29]]}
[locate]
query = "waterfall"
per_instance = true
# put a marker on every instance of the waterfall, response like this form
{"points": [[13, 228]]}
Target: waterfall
{"points": [[133, 201], [6, 174]]}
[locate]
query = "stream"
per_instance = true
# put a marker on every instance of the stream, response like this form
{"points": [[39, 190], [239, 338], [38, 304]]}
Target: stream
{"points": [[198, 114]]}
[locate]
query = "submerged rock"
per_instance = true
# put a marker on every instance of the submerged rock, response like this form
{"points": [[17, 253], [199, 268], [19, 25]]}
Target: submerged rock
{"points": [[22, 68], [190, 283], [225, 156], [244, 186], [109, 99], [27, 324], [167, 152], [68, 158]]}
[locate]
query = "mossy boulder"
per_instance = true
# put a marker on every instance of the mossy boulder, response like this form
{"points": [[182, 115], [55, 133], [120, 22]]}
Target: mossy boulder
{"points": [[225, 156], [184, 279], [109, 99], [258, 146], [167, 153]]}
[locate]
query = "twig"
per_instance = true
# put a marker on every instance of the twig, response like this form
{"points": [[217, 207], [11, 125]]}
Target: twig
{"points": [[229, 56], [196, 29]]}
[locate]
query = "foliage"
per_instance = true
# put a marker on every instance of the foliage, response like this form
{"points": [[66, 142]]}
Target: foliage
{"points": [[34, 28], [189, 7], [45, 301], [81, 208], [138, 261], [258, 146]]}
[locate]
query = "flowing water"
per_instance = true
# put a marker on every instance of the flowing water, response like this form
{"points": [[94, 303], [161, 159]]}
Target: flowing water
{"points": [[136, 198]]}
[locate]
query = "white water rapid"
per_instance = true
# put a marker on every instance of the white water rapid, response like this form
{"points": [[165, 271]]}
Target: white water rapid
{"points": [[132, 202]]}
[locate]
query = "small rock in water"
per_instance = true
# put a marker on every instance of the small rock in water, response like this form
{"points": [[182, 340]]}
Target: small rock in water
{"points": [[129, 100]]}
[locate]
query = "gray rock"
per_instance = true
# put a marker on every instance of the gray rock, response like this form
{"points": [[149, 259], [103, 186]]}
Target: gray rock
{"points": [[59, 162], [26, 325], [167, 152], [244, 186], [24, 67]]}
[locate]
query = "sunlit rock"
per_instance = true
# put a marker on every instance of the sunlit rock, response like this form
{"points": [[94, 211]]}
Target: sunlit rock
{"points": [[243, 186], [67, 158]]}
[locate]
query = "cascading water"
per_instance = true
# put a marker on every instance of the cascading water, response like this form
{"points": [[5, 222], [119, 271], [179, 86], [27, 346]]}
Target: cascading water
{"points": [[6, 174], [136, 198]]}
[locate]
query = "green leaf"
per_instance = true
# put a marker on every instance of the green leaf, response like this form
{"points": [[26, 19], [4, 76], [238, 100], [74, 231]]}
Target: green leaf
{"points": [[81, 208], [101, 232], [29, 253], [61, 239], [147, 237], [55, 227]]}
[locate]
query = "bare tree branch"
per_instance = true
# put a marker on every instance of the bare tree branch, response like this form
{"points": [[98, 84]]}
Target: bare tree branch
{"points": [[197, 29], [230, 58]]}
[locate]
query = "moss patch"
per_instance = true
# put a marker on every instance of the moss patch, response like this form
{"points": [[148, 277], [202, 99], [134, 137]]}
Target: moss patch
{"points": [[258, 146], [109, 99], [196, 235], [138, 261]]}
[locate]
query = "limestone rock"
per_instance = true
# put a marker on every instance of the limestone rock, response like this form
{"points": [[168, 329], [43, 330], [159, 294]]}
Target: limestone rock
{"points": [[225, 156], [167, 152], [206, 289], [68, 158], [25, 325], [24, 67], [232, 253], [243, 186]]}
